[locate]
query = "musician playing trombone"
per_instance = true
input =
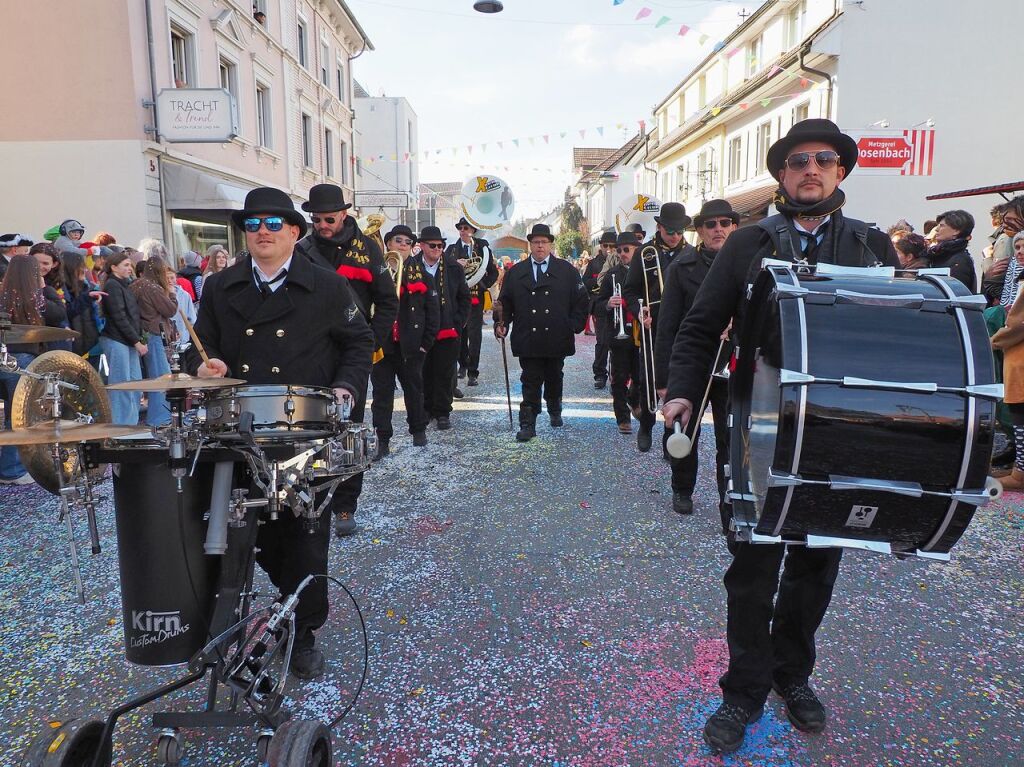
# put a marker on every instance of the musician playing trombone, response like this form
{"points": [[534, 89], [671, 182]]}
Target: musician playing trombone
{"points": [[644, 285], [625, 355]]}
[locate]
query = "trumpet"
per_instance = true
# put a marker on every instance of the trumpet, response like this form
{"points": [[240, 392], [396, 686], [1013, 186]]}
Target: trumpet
{"points": [[620, 317], [650, 262], [396, 265]]}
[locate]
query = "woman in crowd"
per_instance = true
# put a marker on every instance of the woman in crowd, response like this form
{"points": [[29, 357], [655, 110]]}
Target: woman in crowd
{"points": [[911, 251], [216, 260], [1010, 341], [53, 288], [949, 250], [80, 298], [154, 294], [121, 339], [21, 296]]}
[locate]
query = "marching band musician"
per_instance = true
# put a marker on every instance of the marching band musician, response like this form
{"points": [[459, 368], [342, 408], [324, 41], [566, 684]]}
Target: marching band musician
{"points": [[715, 222], [273, 318], [668, 241], [453, 296], [413, 334], [471, 248], [544, 300], [625, 355], [771, 640], [337, 243], [591, 273]]}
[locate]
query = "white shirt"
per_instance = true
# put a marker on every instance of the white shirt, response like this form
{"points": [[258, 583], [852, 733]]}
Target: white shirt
{"points": [[539, 267], [816, 231], [431, 270], [259, 276]]}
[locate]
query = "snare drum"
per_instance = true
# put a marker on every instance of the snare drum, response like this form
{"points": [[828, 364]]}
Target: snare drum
{"points": [[281, 413], [862, 411]]}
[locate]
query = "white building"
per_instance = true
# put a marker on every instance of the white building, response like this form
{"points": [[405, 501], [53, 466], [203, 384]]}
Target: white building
{"points": [[387, 132], [875, 68], [601, 188]]}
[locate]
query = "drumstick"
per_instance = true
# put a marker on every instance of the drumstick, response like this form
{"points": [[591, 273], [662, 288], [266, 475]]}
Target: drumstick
{"points": [[679, 444], [194, 337]]}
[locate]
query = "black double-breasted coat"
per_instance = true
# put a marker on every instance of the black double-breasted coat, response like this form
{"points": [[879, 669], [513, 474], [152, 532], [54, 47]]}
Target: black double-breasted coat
{"points": [[309, 332], [457, 250], [418, 311], [453, 295], [604, 292], [545, 315]]}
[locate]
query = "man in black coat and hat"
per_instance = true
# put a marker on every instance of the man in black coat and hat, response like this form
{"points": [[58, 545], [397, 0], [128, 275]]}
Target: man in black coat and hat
{"points": [[644, 284], [624, 353], [683, 278], [590, 275], [277, 318], [543, 299], [337, 243], [771, 640], [470, 249]]}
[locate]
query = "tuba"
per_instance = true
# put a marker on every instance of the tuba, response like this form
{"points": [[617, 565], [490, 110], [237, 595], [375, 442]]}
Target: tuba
{"points": [[374, 222], [476, 265]]}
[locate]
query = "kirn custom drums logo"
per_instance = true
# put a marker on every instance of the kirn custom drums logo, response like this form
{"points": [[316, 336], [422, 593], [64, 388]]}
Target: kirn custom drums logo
{"points": [[149, 627]]}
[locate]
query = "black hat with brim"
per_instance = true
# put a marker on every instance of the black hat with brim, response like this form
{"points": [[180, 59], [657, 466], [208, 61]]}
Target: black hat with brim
{"points": [[608, 237], [627, 238], [540, 230], [431, 233], [715, 209], [636, 229], [326, 198], [814, 129], [267, 201], [673, 216], [400, 230], [463, 222]]}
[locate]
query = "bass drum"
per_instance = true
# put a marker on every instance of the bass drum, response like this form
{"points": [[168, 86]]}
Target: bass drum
{"points": [[862, 411]]}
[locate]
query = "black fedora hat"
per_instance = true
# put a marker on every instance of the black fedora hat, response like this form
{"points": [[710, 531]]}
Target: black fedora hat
{"points": [[463, 222], [267, 201], [325, 198], [608, 237], [540, 230], [627, 238], [636, 229], [400, 230], [431, 233], [815, 129], [714, 209], [673, 216]]}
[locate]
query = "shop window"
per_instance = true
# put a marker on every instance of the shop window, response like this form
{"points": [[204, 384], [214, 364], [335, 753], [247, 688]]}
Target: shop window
{"points": [[191, 234]]}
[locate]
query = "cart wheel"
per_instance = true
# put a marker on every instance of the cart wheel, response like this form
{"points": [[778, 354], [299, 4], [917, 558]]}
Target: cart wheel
{"points": [[169, 747], [66, 744], [300, 743]]}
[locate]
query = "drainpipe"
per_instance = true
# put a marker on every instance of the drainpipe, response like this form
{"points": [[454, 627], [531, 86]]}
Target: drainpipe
{"points": [[828, 96], [156, 119]]}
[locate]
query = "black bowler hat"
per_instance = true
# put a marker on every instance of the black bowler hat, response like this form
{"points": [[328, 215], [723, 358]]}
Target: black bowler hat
{"points": [[267, 201], [463, 222], [673, 216], [815, 129], [325, 198], [627, 238], [635, 229], [401, 230], [540, 230], [431, 233], [608, 237], [714, 209]]}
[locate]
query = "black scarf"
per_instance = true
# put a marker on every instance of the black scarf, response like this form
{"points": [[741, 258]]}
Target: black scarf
{"points": [[946, 248], [342, 238], [706, 254], [821, 209]]}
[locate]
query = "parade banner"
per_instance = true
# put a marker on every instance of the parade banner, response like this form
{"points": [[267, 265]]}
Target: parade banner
{"points": [[895, 152]]}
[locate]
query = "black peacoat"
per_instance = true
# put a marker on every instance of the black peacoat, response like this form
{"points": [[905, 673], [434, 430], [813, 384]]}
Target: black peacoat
{"points": [[601, 309], [457, 250], [544, 315], [308, 332], [418, 311]]}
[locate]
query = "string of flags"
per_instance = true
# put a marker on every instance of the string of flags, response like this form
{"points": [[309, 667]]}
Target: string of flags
{"points": [[683, 30]]}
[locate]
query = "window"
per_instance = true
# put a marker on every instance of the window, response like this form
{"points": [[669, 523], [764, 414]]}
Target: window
{"points": [[764, 140], [345, 161], [754, 52], [183, 53], [735, 159], [229, 77], [328, 152], [307, 141], [325, 52], [342, 82], [702, 92], [795, 24], [263, 116], [301, 38], [800, 111], [411, 146]]}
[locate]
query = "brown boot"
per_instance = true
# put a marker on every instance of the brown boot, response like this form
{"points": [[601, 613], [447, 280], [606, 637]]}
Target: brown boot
{"points": [[1015, 482]]}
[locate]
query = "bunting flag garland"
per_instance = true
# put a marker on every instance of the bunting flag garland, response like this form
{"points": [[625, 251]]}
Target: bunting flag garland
{"points": [[683, 30], [662, 21], [643, 13]]}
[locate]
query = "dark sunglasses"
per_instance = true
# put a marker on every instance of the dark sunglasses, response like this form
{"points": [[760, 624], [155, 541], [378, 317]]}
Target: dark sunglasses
{"points": [[464, 228], [714, 223], [432, 245], [402, 240], [273, 224], [318, 219], [626, 249], [672, 232], [824, 159]]}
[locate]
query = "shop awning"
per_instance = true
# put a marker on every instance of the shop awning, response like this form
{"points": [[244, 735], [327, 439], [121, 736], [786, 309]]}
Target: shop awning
{"points": [[187, 188], [753, 201]]}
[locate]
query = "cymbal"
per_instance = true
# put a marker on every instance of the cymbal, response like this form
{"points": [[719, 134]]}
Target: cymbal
{"points": [[35, 334], [48, 432], [173, 381]]}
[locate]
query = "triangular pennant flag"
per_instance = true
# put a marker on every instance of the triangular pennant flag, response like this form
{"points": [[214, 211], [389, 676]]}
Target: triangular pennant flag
{"points": [[546, 137], [501, 145], [703, 39], [775, 69], [483, 147], [469, 148], [717, 47], [804, 82], [662, 21], [562, 134], [583, 132], [744, 106], [683, 30], [765, 102], [515, 141], [394, 157], [618, 2], [619, 126], [715, 111], [732, 53], [643, 14], [531, 140], [642, 125], [600, 131]]}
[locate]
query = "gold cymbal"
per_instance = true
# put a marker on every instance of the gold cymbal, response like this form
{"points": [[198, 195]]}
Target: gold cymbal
{"points": [[48, 432], [173, 381], [35, 334]]}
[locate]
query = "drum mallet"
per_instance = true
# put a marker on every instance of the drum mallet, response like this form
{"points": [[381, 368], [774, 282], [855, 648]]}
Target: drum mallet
{"points": [[678, 444], [194, 337]]}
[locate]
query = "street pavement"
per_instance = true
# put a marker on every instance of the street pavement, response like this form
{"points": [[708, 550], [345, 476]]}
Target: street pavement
{"points": [[541, 604]]}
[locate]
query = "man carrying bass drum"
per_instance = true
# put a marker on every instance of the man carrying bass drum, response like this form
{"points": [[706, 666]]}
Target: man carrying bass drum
{"points": [[771, 637]]}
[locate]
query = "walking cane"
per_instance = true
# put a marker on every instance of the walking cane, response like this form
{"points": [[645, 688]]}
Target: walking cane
{"points": [[508, 388], [678, 445]]}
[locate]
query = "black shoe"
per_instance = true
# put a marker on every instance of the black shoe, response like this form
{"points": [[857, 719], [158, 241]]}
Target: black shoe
{"points": [[473, 381], [462, 371], [600, 382], [527, 431], [643, 439], [344, 524], [383, 448], [682, 504], [556, 419], [458, 393], [803, 707], [726, 727], [419, 439], [443, 423], [307, 663]]}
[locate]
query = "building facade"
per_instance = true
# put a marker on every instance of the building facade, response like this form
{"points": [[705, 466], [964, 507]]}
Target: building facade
{"points": [[600, 189], [109, 162]]}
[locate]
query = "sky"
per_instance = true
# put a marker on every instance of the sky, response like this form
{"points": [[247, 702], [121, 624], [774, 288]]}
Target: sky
{"points": [[541, 67]]}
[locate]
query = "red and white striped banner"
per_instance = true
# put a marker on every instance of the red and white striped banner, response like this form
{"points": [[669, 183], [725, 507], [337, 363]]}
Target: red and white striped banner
{"points": [[895, 152]]}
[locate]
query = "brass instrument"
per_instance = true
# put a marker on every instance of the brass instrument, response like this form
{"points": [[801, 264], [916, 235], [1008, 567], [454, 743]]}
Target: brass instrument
{"points": [[396, 265], [476, 265], [648, 255], [650, 261], [620, 316], [374, 222]]}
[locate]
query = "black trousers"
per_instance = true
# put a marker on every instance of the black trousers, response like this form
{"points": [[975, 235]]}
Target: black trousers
{"points": [[409, 372], [648, 417], [541, 374], [602, 328], [771, 638], [288, 553], [346, 497], [625, 378], [472, 337], [439, 377], [684, 470]]}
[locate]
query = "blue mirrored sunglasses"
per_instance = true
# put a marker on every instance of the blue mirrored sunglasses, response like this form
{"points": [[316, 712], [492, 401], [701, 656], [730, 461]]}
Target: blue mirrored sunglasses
{"points": [[273, 224]]}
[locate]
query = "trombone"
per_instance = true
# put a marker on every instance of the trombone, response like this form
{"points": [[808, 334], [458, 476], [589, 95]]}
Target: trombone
{"points": [[650, 261], [396, 265], [620, 317]]}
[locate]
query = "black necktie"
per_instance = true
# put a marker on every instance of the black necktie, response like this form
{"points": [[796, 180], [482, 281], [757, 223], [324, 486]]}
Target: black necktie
{"points": [[264, 285]]}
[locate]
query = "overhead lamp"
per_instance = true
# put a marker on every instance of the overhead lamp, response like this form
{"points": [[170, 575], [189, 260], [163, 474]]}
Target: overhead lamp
{"points": [[488, 6]]}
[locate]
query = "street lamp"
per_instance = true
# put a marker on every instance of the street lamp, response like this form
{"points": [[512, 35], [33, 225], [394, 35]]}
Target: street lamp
{"points": [[488, 6]]}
